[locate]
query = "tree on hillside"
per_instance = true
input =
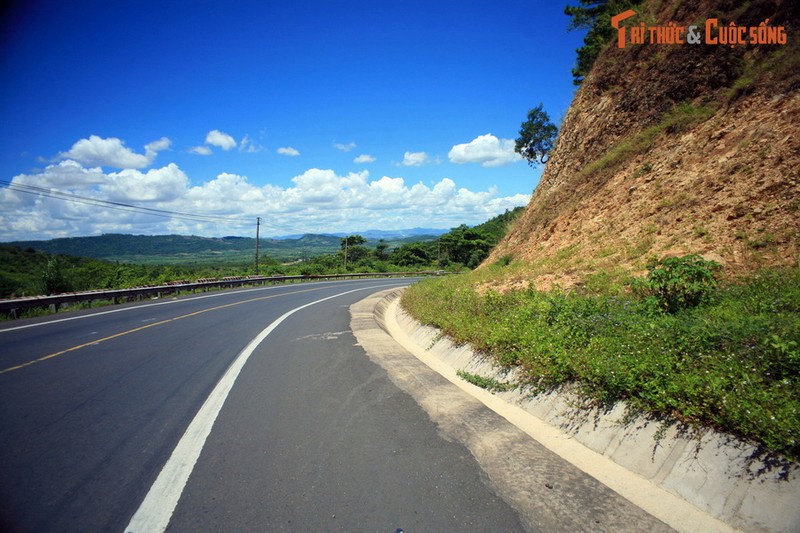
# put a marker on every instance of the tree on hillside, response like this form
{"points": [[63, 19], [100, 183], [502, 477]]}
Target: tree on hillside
{"points": [[466, 245], [352, 250], [495, 228], [595, 16], [537, 136]]}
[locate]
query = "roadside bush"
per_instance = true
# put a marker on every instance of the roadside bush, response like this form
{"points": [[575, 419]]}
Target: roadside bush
{"points": [[53, 280], [724, 356], [678, 283], [475, 258]]}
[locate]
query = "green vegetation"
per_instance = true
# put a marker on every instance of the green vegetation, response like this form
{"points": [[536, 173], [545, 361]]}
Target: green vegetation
{"points": [[28, 271], [679, 347], [678, 283], [462, 247], [489, 384], [680, 119], [595, 16], [537, 137], [184, 249], [778, 69]]}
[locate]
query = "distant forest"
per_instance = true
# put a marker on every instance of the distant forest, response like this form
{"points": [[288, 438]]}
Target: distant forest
{"points": [[72, 264]]}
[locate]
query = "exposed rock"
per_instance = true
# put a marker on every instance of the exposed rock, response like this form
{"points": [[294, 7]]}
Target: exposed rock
{"points": [[680, 148]]}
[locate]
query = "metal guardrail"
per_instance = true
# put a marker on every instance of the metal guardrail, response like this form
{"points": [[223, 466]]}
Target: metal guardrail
{"points": [[12, 307]]}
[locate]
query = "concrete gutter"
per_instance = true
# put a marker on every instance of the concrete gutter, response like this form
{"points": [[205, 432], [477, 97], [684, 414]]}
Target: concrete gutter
{"points": [[701, 482]]}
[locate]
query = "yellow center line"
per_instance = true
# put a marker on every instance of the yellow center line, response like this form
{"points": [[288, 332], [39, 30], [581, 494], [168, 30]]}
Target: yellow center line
{"points": [[140, 328]]}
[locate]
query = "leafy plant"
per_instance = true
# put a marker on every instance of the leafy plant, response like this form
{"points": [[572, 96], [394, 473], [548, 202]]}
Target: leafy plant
{"points": [[490, 384], [53, 280], [732, 363], [505, 259], [679, 283], [537, 136], [595, 16]]}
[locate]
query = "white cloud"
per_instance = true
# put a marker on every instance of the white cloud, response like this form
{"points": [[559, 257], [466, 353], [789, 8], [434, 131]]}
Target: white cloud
{"points": [[220, 140], [344, 147], [64, 175], [249, 146], [415, 159], [200, 150], [24, 216], [158, 184], [157, 146], [487, 150], [112, 152], [318, 200], [364, 158], [288, 150], [324, 186]]}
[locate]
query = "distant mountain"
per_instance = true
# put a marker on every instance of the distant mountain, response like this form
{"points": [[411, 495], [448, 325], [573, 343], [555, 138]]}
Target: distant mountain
{"points": [[375, 234], [398, 234], [193, 249], [186, 248]]}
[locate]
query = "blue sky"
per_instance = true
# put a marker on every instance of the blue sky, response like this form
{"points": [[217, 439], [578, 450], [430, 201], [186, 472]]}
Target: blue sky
{"points": [[317, 116]]}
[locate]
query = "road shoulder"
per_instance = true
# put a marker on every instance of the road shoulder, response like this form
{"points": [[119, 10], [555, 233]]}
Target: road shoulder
{"points": [[550, 493]]}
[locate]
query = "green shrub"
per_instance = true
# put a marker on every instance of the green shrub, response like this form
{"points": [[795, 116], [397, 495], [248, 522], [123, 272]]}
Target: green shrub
{"points": [[505, 260], [678, 283], [732, 363], [53, 280]]}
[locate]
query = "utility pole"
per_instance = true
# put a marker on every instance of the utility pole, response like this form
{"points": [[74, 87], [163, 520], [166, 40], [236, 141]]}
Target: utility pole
{"points": [[258, 226], [345, 253]]}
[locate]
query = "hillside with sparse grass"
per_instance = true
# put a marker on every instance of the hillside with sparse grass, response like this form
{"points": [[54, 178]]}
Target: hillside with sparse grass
{"points": [[657, 260], [670, 150]]}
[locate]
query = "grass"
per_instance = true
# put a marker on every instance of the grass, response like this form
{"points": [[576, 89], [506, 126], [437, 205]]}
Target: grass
{"points": [[680, 119], [778, 70], [490, 384], [732, 363]]}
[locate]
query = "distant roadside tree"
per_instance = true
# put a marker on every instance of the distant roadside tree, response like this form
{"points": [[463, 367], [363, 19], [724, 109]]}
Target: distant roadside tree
{"points": [[352, 240], [53, 280], [352, 249], [537, 136], [466, 245], [410, 254], [382, 250]]}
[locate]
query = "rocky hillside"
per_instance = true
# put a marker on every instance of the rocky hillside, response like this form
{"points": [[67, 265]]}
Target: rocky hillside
{"points": [[673, 149]]}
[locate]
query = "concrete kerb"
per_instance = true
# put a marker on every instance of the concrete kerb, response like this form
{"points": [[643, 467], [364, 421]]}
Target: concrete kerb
{"points": [[548, 493], [703, 482]]}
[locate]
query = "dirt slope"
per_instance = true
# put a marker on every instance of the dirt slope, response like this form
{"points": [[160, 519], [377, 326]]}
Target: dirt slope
{"points": [[673, 149]]}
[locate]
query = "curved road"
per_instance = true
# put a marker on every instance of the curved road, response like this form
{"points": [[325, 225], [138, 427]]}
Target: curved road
{"points": [[164, 414]]}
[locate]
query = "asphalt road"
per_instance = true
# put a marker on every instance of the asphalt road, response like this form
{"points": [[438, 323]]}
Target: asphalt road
{"points": [[312, 436]]}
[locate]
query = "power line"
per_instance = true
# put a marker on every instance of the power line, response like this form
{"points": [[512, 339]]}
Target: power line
{"points": [[132, 208], [69, 197]]}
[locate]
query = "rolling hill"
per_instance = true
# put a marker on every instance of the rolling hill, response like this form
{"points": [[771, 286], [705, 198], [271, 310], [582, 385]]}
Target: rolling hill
{"points": [[195, 249]]}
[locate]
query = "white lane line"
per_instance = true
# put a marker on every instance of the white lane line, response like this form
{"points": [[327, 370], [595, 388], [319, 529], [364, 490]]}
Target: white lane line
{"points": [[190, 299], [156, 510], [142, 306]]}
